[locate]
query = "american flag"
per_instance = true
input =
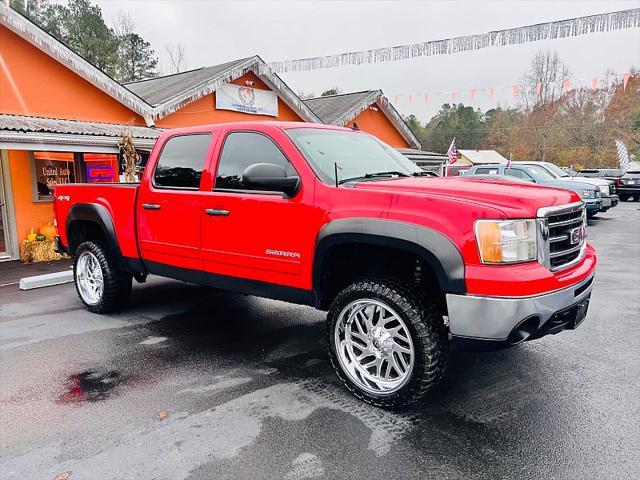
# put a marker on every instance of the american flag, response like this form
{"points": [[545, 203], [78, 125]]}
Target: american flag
{"points": [[623, 155], [452, 153]]}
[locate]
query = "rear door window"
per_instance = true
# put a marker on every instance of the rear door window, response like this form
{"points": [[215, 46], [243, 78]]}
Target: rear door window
{"points": [[487, 171], [181, 162], [516, 172]]}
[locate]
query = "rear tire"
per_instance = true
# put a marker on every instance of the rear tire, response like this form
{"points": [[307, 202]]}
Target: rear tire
{"points": [[99, 283], [387, 342]]}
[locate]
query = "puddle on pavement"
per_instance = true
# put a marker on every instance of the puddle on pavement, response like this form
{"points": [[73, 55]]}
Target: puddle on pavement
{"points": [[90, 386]]}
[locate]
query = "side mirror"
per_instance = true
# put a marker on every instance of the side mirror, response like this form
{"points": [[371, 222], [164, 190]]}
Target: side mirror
{"points": [[268, 176]]}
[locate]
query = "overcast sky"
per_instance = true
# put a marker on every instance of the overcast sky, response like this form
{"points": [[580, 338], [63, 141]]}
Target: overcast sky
{"points": [[214, 32]]}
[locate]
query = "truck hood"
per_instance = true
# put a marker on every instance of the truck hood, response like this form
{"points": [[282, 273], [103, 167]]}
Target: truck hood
{"points": [[575, 186], [515, 199], [597, 182]]}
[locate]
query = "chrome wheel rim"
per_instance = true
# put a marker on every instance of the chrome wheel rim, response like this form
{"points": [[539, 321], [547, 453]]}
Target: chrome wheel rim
{"points": [[89, 278], [374, 346]]}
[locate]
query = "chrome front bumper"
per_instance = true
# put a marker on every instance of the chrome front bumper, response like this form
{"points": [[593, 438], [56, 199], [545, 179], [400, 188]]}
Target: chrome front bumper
{"points": [[495, 318]]}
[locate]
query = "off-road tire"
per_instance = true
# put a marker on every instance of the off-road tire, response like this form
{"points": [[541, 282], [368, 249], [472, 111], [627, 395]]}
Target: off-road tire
{"points": [[427, 329], [117, 284]]}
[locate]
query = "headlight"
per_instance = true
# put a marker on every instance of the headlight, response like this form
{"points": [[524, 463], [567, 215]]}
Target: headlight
{"points": [[506, 241], [604, 190], [587, 193]]}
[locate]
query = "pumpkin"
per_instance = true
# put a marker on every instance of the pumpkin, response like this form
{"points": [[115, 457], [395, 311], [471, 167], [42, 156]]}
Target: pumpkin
{"points": [[48, 230], [40, 238], [32, 236]]}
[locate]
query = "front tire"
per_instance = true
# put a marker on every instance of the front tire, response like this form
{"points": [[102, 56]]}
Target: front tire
{"points": [[99, 283], [387, 342]]}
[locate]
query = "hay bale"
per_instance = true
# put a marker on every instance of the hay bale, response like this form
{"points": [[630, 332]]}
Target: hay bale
{"points": [[34, 251]]}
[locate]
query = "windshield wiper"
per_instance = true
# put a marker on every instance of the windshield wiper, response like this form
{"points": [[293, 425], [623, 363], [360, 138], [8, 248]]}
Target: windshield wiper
{"points": [[389, 173]]}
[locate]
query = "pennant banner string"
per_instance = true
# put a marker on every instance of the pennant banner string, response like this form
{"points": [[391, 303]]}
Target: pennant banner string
{"points": [[604, 22], [597, 82]]}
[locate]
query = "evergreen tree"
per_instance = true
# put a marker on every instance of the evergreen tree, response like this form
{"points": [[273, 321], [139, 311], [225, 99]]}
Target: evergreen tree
{"points": [[136, 58]]}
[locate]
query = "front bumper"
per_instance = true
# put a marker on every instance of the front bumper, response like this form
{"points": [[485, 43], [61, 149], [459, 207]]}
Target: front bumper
{"points": [[504, 321], [593, 205], [609, 201]]}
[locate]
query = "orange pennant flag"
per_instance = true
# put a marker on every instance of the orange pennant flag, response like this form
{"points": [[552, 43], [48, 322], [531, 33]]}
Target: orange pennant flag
{"points": [[426, 98], [492, 93], [594, 83], [538, 88], [625, 80], [453, 96], [566, 85], [410, 98], [515, 89], [472, 93]]}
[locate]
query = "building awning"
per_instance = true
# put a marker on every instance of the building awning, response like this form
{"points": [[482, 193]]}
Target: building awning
{"points": [[21, 132]]}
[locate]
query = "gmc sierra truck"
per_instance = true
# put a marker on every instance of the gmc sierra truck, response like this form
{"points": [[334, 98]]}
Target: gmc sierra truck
{"points": [[404, 263]]}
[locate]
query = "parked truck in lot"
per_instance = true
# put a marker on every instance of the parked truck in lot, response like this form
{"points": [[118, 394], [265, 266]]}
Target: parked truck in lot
{"points": [[405, 264]]}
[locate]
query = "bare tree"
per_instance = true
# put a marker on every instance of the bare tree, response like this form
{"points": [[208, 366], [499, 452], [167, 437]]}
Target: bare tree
{"points": [[545, 78], [177, 57], [123, 24]]}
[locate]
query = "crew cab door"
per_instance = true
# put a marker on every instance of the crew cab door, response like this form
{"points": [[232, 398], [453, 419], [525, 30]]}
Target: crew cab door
{"points": [[170, 204], [254, 234]]}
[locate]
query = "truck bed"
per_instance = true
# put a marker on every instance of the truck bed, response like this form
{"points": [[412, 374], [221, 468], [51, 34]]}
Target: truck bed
{"points": [[119, 200]]}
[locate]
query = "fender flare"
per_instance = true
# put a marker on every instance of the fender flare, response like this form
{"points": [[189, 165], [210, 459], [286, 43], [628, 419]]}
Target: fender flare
{"points": [[94, 213], [438, 251]]}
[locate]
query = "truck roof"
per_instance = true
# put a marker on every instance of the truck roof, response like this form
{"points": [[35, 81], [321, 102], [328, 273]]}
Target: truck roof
{"points": [[252, 125]]}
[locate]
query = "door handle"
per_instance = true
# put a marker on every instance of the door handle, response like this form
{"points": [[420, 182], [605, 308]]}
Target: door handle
{"points": [[217, 212], [151, 206]]}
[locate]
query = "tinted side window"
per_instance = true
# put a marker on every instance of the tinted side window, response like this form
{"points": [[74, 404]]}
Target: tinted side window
{"points": [[486, 171], [514, 172], [242, 149], [181, 161]]}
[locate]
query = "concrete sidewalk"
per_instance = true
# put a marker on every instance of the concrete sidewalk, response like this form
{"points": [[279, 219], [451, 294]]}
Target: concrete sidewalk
{"points": [[11, 272]]}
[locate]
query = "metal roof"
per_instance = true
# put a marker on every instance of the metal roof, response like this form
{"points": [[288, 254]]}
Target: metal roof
{"points": [[156, 91], [25, 129], [22, 123], [483, 156]]}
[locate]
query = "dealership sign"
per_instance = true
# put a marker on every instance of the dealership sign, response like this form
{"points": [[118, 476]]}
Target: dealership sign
{"points": [[247, 100]]}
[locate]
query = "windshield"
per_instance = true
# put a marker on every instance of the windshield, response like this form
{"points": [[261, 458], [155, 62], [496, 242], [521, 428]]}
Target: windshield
{"points": [[357, 154], [556, 171], [539, 173]]}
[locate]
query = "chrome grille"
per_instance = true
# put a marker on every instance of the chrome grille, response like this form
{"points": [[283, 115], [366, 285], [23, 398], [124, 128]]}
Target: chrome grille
{"points": [[563, 232]]}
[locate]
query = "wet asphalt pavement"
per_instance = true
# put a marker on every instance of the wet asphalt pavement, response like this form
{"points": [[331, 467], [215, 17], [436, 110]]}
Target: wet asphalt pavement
{"points": [[191, 383]]}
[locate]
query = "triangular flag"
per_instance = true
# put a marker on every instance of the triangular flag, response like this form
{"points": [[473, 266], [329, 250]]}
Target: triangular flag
{"points": [[625, 80], [566, 85], [472, 93], [410, 98], [594, 83], [492, 93], [426, 98], [395, 99], [538, 88], [515, 89], [453, 96]]}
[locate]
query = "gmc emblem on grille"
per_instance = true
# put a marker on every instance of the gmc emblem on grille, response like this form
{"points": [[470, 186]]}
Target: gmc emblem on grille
{"points": [[577, 235]]}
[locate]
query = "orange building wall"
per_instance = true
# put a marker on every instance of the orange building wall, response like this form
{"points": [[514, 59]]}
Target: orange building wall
{"points": [[202, 111], [28, 213], [33, 83], [376, 123]]}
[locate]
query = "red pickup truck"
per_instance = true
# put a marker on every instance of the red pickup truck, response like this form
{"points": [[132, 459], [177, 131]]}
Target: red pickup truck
{"points": [[406, 264]]}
